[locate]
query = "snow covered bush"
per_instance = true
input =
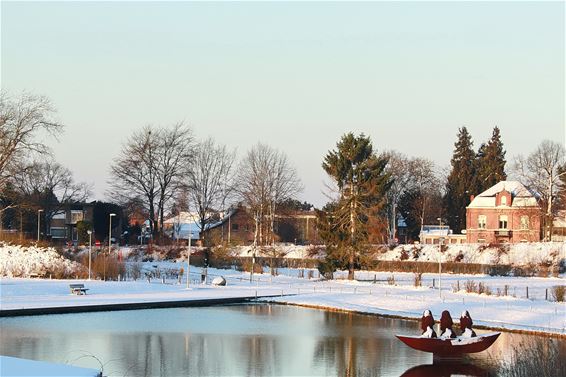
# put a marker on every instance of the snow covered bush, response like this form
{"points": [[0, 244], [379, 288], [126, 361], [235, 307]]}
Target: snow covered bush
{"points": [[26, 261]]}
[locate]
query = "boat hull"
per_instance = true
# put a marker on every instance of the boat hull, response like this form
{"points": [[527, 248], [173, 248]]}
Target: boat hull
{"points": [[446, 347]]}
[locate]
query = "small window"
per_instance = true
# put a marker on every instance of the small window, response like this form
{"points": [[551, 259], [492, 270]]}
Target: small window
{"points": [[481, 240], [58, 232], [524, 222], [503, 222], [76, 216], [504, 200], [60, 215], [235, 227], [482, 220]]}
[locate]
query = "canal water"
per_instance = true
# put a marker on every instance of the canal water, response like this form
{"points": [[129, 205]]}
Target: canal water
{"points": [[238, 340]]}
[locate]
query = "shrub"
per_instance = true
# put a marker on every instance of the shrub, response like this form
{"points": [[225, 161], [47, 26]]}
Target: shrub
{"points": [[135, 270], [483, 288], [537, 357], [418, 278], [391, 280], [108, 267], [558, 292], [470, 286]]}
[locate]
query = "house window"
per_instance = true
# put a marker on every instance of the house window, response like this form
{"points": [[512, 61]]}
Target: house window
{"points": [[235, 227], [482, 220], [59, 215], [76, 216], [58, 232], [481, 240], [503, 200], [503, 222], [524, 222]]}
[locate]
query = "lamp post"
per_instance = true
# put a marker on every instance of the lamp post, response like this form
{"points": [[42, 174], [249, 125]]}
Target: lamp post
{"points": [[38, 223], [440, 239], [89, 250], [109, 240], [189, 252]]}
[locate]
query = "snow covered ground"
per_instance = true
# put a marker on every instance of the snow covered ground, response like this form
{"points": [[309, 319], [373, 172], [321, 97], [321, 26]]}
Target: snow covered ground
{"points": [[13, 366], [402, 299], [377, 292]]}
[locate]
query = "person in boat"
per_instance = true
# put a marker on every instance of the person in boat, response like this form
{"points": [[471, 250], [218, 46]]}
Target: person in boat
{"points": [[466, 325], [427, 324], [446, 324]]}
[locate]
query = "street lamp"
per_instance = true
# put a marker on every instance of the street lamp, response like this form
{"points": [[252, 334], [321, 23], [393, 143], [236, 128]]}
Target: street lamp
{"points": [[109, 240], [89, 250], [440, 240], [38, 222]]}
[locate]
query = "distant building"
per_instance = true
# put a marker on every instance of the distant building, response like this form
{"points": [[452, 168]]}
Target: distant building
{"points": [[237, 227], [63, 223], [559, 226], [182, 227], [506, 212], [433, 234]]}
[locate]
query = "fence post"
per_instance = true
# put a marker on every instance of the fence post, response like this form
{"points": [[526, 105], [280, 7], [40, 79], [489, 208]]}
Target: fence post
{"points": [[433, 283], [527, 292], [546, 294]]}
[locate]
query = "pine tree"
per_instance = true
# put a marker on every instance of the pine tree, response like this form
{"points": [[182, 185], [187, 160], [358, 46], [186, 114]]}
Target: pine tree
{"points": [[362, 183], [491, 162], [462, 182]]}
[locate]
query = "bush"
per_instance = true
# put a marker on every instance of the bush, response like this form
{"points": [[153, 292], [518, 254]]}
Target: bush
{"points": [[108, 267], [470, 286], [391, 280], [540, 357], [483, 288], [558, 292], [135, 270], [418, 279]]}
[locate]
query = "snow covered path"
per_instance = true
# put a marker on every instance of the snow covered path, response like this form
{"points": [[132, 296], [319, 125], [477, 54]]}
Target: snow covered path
{"points": [[404, 300], [13, 366]]}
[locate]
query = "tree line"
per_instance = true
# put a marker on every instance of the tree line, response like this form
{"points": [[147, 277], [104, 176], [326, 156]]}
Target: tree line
{"points": [[164, 170]]}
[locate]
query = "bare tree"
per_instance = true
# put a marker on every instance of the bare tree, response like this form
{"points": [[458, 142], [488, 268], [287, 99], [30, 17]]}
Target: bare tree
{"points": [[266, 178], [150, 168], [22, 120], [49, 186], [541, 171], [173, 160], [399, 167], [209, 180]]}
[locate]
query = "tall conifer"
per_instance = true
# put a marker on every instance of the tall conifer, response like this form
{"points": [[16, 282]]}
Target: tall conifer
{"points": [[491, 162], [362, 183], [461, 183]]}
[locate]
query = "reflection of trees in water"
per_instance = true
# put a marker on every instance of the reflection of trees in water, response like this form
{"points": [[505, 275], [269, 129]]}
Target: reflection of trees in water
{"points": [[363, 345]]}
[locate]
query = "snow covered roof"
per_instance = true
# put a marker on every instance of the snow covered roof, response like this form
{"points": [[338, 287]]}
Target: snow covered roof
{"points": [[522, 196]]}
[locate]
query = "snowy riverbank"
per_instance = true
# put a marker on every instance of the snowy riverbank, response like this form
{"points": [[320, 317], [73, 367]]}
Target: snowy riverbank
{"points": [[382, 297]]}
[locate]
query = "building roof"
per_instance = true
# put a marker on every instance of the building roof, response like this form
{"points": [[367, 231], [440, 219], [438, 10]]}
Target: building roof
{"points": [[522, 196]]}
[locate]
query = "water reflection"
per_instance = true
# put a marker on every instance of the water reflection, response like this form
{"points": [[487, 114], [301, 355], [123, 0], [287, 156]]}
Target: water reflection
{"points": [[250, 340], [446, 369]]}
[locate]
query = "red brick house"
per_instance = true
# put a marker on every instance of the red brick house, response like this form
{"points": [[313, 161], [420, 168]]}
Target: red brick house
{"points": [[505, 213]]}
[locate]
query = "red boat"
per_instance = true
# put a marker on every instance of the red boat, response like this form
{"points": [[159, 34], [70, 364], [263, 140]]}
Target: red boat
{"points": [[446, 347]]}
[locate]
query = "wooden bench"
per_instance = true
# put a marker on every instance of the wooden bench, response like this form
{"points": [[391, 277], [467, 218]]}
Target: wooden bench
{"points": [[78, 289]]}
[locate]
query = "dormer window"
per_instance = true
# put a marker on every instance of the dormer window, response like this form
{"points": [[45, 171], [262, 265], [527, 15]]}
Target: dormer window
{"points": [[504, 200]]}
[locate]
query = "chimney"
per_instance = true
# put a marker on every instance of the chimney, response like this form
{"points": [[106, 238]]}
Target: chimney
{"points": [[472, 197]]}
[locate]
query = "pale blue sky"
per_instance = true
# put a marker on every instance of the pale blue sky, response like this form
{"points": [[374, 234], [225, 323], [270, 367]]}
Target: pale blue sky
{"points": [[293, 75]]}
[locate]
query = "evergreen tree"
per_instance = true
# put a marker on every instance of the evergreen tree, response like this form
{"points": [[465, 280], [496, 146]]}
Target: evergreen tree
{"points": [[362, 183], [462, 182], [491, 162]]}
